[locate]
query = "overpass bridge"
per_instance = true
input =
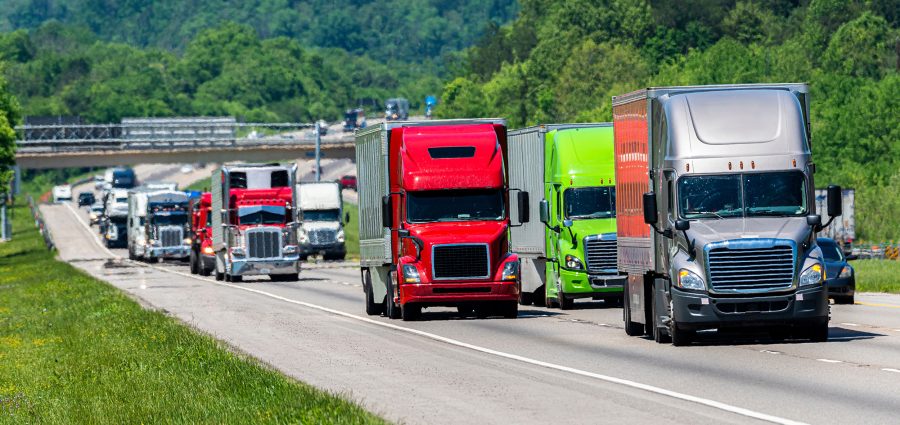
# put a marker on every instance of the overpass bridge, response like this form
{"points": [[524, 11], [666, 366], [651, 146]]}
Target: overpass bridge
{"points": [[173, 140]]}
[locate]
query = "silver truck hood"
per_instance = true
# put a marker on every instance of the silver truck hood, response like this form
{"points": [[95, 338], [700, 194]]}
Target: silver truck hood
{"points": [[708, 231]]}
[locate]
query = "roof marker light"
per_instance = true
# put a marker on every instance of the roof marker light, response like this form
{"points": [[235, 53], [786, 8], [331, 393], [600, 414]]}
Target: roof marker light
{"points": [[688, 167], [742, 165], [753, 164], [794, 163], [729, 165]]}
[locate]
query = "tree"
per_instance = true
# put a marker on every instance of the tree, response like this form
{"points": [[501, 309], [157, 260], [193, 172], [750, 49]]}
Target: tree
{"points": [[9, 116]]}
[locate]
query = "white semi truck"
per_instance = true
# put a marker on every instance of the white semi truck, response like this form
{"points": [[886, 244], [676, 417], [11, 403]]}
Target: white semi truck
{"points": [[322, 231], [158, 225]]}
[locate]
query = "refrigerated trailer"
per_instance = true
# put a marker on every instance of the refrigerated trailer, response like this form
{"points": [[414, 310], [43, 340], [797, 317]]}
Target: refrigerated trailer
{"points": [[716, 211], [433, 219], [565, 173]]}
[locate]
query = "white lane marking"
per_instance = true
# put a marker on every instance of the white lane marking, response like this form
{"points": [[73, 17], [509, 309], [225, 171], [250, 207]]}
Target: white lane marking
{"points": [[95, 238], [849, 324], [611, 379], [770, 352], [890, 369], [829, 361]]}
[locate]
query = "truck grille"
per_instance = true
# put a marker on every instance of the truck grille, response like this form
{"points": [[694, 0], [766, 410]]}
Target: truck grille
{"points": [[460, 262], [751, 269], [600, 254], [322, 236], [264, 243], [171, 236]]}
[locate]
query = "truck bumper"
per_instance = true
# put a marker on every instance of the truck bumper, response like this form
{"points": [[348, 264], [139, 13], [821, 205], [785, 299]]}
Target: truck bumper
{"points": [[331, 249], [253, 267], [179, 252], [702, 311], [452, 294], [841, 287], [584, 285]]}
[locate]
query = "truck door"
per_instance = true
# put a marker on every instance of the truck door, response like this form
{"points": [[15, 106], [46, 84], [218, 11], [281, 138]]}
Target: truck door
{"points": [[666, 248]]}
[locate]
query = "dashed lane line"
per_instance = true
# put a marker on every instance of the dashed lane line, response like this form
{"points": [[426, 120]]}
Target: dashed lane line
{"points": [[606, 378]]}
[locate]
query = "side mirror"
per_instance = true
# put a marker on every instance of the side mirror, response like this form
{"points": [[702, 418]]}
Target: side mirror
{"points": [[386, 212], [814, 220], [567, 223], [347, 218], [545, 211], [650, 213], [835, 201], [524, 212], [682, 225]]}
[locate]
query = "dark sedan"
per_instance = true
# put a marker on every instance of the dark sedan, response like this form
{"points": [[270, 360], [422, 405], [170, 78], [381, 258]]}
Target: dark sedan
{"points": [[840, 278], [86, 199]]}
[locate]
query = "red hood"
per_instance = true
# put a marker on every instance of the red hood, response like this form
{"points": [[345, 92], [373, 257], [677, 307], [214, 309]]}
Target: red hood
{"points": [[422, 171], [492, 233]]}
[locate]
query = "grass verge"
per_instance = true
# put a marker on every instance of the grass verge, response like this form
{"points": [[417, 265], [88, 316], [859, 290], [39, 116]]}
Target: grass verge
{"points": [[351, 230], [877, 276], [75, 349]]}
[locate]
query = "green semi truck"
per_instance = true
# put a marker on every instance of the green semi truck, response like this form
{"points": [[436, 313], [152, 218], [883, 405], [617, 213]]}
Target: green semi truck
{"points": [[566, 174]]}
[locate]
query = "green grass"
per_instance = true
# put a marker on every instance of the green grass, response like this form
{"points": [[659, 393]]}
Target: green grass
{"points": [[201, 185], [75, 349], [351, 230], [877, 275]]}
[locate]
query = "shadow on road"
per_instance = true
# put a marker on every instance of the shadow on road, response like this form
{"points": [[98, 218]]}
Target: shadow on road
{"points": [[762, 336]]}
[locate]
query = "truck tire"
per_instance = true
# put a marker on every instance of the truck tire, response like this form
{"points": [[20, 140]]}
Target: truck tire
{"points": [[391, 310], [526, 298], [631, 328], [193, 262], [565, 303], [372, 308], [540, 297], [509, 309], [818, 332], [660, 334], [411, 312], [680, 337], [202, 270], [845, 299], [219, 275], [290, 277], [465, 310]]}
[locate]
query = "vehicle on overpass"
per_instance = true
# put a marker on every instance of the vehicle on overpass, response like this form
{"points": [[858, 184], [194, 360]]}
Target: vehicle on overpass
{"points": [[322, 231], [203, 257], [114, 222], [566, 173], [396, 109], [353, 119], [158, 225], [433, 219], [716, 213], [255, 222], [840, 278], [62, 193]]}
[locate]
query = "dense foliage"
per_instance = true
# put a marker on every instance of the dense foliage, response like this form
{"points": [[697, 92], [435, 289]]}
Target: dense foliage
{"points": [[406, 30], [562, 60], [9, 116], [229, 70]]}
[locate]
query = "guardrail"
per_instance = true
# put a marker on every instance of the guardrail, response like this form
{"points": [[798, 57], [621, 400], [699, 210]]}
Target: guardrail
{"points": [[877, 251], [40, 224]]}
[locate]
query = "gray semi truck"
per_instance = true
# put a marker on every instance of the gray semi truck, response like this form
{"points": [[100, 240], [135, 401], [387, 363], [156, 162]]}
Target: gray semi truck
{"points": [[716, 211]]}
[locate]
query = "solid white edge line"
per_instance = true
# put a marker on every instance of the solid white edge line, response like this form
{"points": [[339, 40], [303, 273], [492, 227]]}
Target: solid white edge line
{"points": [[611, 379]]}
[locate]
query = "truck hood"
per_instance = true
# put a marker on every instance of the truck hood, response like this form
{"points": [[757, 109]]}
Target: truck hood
{"points": [[492, 233], [316, 225], [707, 231]]}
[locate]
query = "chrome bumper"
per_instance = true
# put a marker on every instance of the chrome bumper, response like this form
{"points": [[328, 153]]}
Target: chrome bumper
{"points": [[181, 251], [253, 267]]}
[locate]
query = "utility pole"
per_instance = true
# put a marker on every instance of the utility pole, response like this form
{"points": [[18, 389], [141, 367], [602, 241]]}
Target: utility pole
{"points": [[318, 151]]}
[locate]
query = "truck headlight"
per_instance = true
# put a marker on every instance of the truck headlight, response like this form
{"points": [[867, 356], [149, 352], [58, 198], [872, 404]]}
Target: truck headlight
{"points": [[510, 271], [340, 236], [689, 280], [846, 272], [572, 262], [812, 276], [289, 249], [208, 250], [410, 274], [187, 241]]}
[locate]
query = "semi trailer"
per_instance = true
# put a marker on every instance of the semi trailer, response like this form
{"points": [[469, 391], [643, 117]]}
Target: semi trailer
{"points": [[322, 231], [433, 218], [716, 211], [255, 222], [565, 172], [158, 225]]}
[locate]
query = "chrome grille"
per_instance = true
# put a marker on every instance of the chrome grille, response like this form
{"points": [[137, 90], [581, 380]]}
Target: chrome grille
{"points": [[322, 236], [460, 261], [264, 243], [171, 236], [751, 269], [600, 254]]}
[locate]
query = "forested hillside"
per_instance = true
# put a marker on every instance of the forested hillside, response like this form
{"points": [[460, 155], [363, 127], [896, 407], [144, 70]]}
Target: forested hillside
{"points": [[562, 60], [407, 30]]}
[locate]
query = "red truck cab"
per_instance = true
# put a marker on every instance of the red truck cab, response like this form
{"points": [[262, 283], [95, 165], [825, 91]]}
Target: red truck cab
{"points": [[203, 257], [446, 211]]}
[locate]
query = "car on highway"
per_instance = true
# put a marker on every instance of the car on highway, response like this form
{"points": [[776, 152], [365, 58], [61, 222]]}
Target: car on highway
{"points": [[96, 212], [98, 182], [86, 199], [840, 278], [62, 193], [348, 182]]}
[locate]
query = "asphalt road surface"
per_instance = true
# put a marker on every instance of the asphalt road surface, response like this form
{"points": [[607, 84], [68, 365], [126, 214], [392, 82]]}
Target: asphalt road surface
{"points": [[547, 366]]}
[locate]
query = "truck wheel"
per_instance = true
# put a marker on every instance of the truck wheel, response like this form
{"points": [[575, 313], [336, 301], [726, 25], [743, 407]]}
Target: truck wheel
{"points": [[483, 310], [411, 312], [526, 298], [846, 299], [391, 310], [631, 328], [818, 333], [372, 308], [203, 271], [465, 310], [509, 309], [680, 337], [540, 297], [565, 303], [193, 263], [660, 334], [236, 278], [219, 276]]}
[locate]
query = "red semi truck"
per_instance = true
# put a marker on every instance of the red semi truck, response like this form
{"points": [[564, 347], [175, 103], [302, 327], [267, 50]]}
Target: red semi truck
{"points": [[433, 218], [203, 257]]}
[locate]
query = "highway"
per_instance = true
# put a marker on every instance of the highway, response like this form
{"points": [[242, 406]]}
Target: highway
{"points": [[547, 366]]}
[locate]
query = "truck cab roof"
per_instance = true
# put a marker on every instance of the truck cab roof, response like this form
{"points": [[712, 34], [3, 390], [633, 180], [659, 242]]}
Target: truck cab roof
{"points": [[582, 156], [443, 157]]}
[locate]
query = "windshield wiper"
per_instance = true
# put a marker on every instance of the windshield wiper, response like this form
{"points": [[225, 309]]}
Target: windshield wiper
{"points": [[718, 217], [770, 213]]}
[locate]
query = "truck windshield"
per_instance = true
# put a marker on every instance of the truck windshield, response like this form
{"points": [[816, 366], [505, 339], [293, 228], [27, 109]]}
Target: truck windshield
{"points": [[590, 202], [774, 194], [454, 205], [261, 214], [169, 220], [322, 215]]}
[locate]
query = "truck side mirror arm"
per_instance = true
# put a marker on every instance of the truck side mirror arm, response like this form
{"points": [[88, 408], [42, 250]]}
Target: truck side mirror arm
{"points": [[419, 244], [683, 226]]}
